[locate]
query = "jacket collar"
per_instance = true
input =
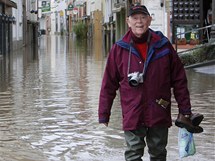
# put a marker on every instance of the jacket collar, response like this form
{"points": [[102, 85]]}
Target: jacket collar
{"points": [[157, 39]]}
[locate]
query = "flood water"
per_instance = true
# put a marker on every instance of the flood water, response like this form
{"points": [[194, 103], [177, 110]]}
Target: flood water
{"points": [[49, 101]]}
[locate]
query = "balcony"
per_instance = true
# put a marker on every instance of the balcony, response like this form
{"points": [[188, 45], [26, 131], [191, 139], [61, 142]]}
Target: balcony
{"points": [[118, 5]]}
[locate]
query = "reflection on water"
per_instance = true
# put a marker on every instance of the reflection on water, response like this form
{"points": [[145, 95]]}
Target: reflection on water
{"points": [[48, 106], [207, 69]]}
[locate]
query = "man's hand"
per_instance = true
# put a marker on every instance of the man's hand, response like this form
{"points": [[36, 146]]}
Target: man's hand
{"points": [[185, 122], [106, 124]]}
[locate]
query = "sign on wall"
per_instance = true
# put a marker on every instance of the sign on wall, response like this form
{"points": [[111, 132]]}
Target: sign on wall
{"points": [[70, 7], [46, 7]]}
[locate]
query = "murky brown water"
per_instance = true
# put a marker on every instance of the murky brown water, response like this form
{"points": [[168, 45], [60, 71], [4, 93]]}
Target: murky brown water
{"points": [[48, 107]]}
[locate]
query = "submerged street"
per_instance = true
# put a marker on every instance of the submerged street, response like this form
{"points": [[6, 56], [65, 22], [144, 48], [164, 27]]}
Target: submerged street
{"points": [[49, 100]]}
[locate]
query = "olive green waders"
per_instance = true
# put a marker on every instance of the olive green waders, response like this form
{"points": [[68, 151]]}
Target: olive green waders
{"points": [[156, 140]]}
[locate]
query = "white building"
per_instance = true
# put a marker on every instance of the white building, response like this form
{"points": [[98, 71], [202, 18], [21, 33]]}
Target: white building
{"points": [[93, 5], [52, 16], [25, 26], [18, 25], [159, 16]]}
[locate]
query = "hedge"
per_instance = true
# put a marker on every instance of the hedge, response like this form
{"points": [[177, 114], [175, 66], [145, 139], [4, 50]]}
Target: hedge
{"points": [[198, 55]]}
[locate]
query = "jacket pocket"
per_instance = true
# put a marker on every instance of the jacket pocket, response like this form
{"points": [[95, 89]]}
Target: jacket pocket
{"points": [[158, 113]]}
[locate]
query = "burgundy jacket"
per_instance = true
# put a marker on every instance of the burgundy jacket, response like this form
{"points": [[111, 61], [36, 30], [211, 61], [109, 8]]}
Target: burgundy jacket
{"points": [[163, 70]]}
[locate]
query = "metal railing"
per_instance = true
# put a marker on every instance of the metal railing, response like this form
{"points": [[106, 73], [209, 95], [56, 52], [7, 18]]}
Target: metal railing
{"points": [[194, 30]]}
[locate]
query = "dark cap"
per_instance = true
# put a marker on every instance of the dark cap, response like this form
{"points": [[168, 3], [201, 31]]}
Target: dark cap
{"points": [[138, 9]]}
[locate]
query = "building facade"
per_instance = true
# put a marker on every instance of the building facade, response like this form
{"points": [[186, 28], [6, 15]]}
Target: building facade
{"points": [[190, 15], [6, 23]]}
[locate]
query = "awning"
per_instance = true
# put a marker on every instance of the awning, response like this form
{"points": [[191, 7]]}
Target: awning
{"points": [[9, 3]]}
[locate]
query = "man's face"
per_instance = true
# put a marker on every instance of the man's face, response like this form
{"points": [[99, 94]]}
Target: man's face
{"points": [[139, 23]]}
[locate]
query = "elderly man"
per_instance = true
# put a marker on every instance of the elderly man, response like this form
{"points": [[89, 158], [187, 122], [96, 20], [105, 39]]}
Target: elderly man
{"points": [[144, 67]]}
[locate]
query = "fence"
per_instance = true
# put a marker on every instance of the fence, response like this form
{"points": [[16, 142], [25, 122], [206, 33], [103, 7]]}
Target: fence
{"points": [[205, 29]]}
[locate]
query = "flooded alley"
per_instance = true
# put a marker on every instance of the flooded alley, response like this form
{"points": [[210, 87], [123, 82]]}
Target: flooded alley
{"points": [[49, 101]]}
